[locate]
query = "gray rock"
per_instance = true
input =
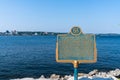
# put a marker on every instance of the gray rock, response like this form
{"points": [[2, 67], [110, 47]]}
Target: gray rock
{"points": [[54, 77], [66, 77], [93, 72], [81, 74], [42, 76]]}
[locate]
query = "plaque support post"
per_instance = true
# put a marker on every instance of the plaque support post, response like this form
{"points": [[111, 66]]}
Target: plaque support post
{"points": [[75, 63]]}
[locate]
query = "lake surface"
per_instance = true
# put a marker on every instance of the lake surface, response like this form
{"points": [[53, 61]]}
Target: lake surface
{"points": [[33, 56]]}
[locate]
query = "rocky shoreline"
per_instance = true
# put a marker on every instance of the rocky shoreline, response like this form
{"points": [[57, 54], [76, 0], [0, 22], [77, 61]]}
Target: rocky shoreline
{"points": [[93, 75]]}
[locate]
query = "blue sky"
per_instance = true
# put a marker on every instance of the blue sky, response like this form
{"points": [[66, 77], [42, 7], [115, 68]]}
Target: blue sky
{"points": [[93, 16]]}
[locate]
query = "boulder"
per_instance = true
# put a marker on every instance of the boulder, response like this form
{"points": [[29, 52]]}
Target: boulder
{"points": [[54, 77], [93, 72]]}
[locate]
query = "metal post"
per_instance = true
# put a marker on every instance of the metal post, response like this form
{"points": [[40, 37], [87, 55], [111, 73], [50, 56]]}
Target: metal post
{"points": [[75, 74], [75, 63]]}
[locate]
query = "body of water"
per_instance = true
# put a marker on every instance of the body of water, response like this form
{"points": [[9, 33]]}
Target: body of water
{"points": [[33, 56]]}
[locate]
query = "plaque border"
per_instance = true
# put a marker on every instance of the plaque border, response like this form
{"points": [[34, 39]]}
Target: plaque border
{"points": [[79, 61]]}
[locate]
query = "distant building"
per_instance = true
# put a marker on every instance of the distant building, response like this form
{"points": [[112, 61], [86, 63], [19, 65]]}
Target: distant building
{"points": [[35, 33], [14, 32], [7, 32]]}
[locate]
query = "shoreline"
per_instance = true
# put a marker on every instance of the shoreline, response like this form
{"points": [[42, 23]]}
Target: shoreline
{"points": [[93, 75]]}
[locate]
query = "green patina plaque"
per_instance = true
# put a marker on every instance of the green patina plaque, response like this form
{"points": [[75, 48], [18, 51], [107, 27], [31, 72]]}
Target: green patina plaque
{"points": [[76, 46]]}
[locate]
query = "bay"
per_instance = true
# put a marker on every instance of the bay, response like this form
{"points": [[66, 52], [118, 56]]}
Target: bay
{"points": [[33, 56]]}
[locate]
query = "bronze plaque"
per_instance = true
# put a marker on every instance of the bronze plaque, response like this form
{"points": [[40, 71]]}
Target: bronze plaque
{"points": [[76, 46]]}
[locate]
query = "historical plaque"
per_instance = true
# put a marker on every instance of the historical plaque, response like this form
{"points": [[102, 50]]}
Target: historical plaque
{"points": [[76, 46]]}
